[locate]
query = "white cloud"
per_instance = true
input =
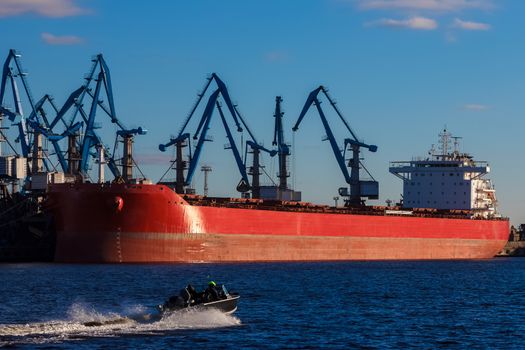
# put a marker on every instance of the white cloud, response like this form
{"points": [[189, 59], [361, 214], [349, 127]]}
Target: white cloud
{"points": [[467, 25], [51, 39], [426, 5], [46, 8], [416, 23], [475, 107]]}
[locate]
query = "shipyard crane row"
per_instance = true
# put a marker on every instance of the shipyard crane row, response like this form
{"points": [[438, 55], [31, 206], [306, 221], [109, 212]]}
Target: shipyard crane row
{"points": [[84, 142]]}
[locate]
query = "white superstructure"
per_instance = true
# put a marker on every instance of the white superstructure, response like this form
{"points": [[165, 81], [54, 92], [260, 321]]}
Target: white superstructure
{"points": [[447, 180]]}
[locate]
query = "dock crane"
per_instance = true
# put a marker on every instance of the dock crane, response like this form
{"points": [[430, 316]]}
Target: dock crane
{"points": [[12, 70], [12, 75], [32, 128], [37, 124], [358, 188], [184, 137], [100, 77]]}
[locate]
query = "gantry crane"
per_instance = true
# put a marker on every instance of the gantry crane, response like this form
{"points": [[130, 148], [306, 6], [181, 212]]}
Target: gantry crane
{"points": [[30, 142], [183, 137], [358, 188], [32, 128], [98, 83]]}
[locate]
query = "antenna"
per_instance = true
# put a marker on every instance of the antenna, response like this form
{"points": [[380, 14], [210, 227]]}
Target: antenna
{"points": [[432, 151], [444, 142], [456, 143]]}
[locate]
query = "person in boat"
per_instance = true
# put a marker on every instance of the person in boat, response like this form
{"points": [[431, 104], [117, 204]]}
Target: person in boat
{"points": [[195, 297], [190, 296], [212, 293]]}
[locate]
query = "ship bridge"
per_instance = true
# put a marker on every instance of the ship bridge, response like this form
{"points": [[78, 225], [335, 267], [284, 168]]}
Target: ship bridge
{"points": [[448, 180], [470, 169]]}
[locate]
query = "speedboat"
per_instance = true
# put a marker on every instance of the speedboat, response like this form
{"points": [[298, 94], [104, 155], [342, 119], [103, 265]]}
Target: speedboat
{"points": [[188, 299]]}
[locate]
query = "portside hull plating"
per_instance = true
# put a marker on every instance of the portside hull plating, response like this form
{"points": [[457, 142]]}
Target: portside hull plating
{"points": [[151, 223]]}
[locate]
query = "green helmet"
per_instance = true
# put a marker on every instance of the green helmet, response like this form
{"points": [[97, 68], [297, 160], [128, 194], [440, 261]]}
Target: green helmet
{"points": [[211, 283]]}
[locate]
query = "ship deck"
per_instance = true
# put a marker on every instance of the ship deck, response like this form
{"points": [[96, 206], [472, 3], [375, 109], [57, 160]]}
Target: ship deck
{"points": [[306, 207]]}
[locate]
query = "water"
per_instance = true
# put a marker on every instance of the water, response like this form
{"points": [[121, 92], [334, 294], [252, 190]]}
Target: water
{"points": [[371, 305]]}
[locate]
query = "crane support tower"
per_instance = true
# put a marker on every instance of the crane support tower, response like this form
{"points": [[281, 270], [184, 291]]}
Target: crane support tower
{"points": [[206, 169], [281, 191], [283, 149]]}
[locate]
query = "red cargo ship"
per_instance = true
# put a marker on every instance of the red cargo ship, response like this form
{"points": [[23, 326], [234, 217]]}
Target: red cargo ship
{"points": [[152, 223], [448, 212]]}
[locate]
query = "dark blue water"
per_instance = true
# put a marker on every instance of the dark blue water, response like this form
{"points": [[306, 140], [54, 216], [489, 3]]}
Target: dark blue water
{"points": [[372, 305]]}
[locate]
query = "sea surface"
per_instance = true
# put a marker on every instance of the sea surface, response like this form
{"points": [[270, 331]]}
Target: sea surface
{"points": [[346, 305]]}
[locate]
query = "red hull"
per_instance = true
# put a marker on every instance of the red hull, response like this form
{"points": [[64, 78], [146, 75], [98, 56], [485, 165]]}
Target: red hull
{"points": [[151, 223]]}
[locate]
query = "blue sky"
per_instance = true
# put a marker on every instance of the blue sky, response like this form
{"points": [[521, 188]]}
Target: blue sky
{"points": [[400, 70]]}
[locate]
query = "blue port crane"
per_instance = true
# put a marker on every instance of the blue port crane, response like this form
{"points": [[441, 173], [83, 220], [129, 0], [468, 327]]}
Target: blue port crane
{"points": [[200, 134], [358, 188], [97, 85], [37, 123], [13, 71]]}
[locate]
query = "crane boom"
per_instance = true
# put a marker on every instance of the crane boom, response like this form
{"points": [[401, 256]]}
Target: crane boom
{"points": [[237, 156], [205, 121]]}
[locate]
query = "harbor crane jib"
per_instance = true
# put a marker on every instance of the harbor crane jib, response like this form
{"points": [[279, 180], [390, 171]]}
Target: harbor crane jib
{"points": [[200, 134], [358, 188]]}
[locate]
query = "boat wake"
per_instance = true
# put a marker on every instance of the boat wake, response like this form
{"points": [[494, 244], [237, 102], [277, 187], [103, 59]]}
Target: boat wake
{"points": [[85, 322]]}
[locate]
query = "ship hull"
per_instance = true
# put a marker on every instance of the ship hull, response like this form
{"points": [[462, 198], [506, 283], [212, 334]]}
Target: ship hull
{"points": [[151, 223]]}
